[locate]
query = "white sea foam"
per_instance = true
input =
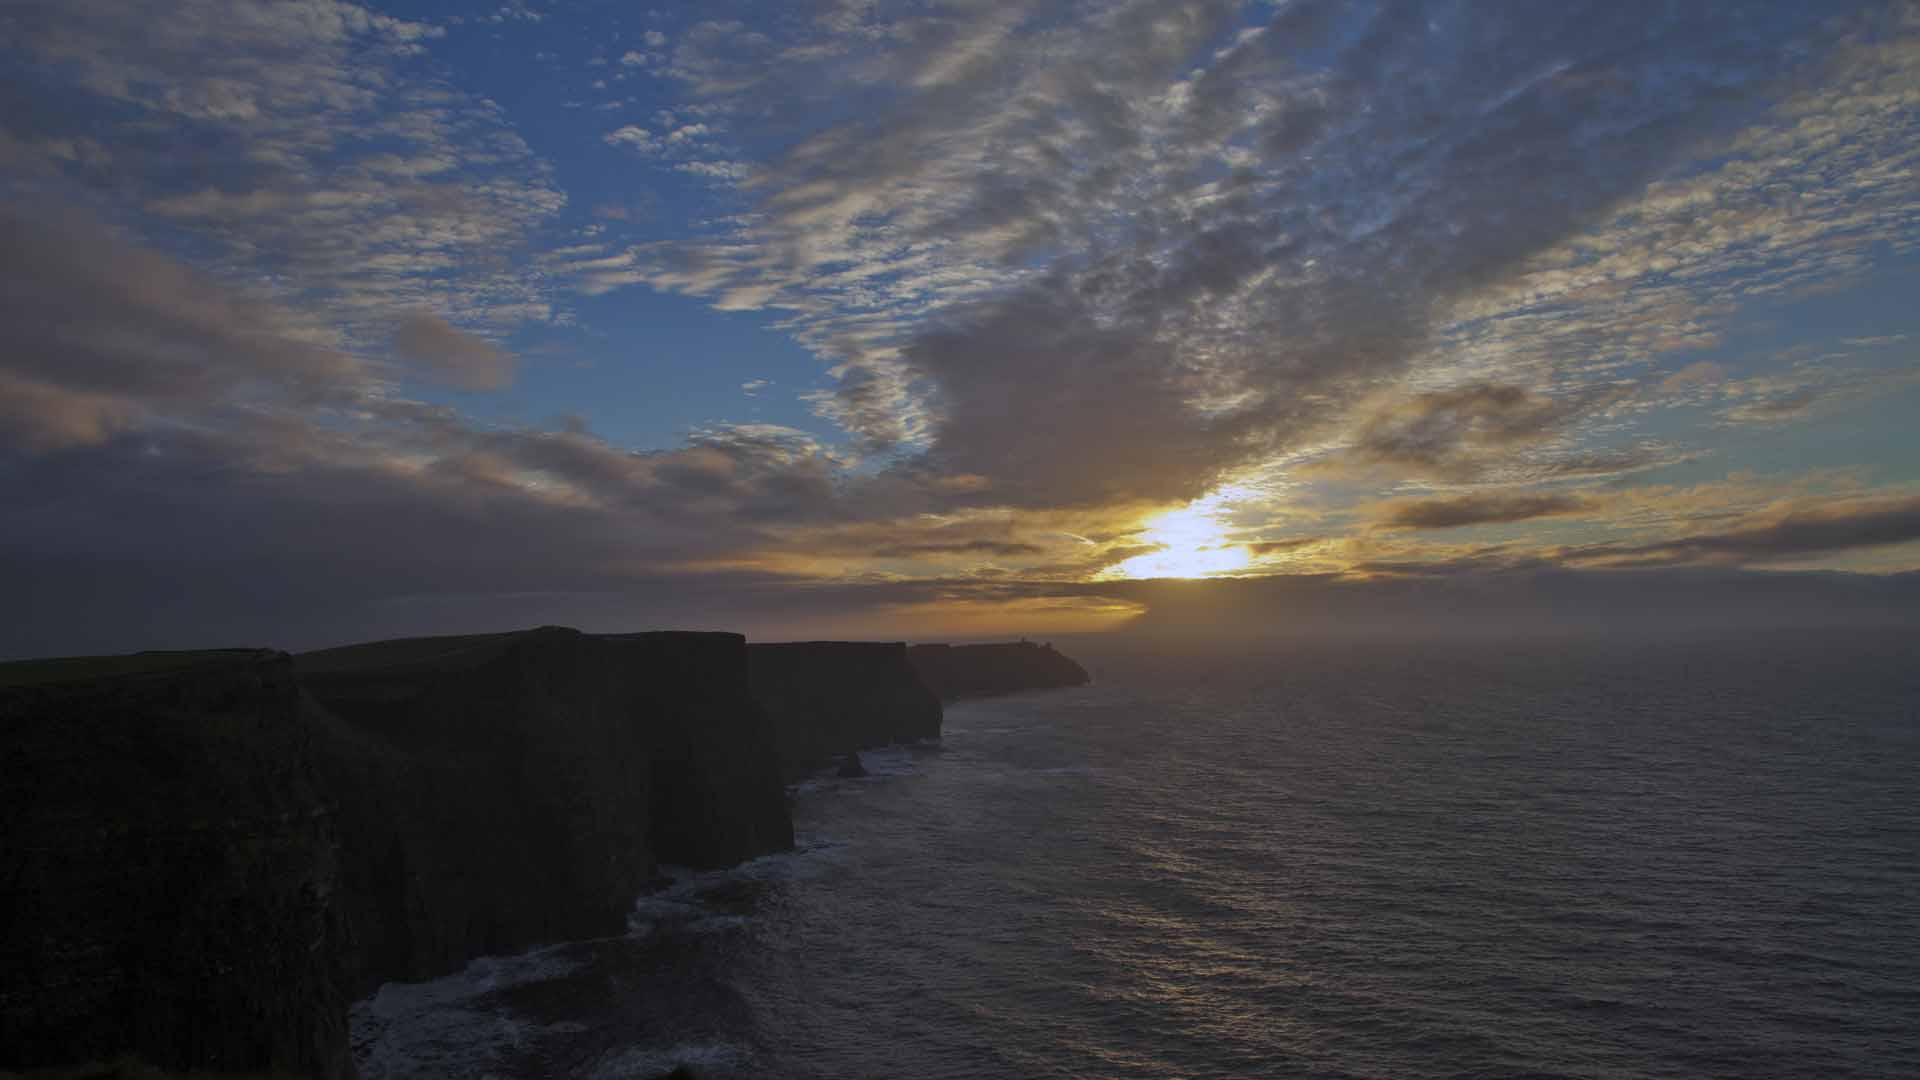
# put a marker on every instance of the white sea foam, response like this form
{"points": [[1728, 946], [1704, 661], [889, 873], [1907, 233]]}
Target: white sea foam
{"points": [[440, 1027], [896, 759], [686, 904], [890, 761], [451, 1027]]}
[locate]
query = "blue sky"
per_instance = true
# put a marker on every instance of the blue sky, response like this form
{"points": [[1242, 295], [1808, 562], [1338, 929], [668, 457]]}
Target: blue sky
{"points": [[871, 317]]}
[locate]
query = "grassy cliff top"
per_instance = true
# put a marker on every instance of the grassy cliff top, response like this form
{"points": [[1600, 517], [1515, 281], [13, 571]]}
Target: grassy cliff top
{"points": [[399, 652], [65, 669]]}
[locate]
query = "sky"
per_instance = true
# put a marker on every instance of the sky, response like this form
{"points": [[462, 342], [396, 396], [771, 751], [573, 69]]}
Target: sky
{"points": [[323, 320]]}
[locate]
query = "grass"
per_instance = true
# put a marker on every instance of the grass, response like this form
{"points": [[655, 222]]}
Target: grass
{"points": [[65, 669]]}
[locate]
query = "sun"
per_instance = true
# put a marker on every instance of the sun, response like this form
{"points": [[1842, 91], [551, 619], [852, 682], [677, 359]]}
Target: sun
{"points": [[1192, 545]]}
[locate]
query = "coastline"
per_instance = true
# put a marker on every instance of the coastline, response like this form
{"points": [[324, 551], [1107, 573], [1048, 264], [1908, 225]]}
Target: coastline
{"points": [[390, 812]]}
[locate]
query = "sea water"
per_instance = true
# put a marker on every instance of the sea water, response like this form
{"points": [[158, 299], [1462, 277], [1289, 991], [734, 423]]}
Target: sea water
{"points": [[1602, 856]]}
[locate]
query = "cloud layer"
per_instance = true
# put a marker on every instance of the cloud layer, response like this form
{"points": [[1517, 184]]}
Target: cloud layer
{"points": [[1382, 291], [1225, 228]]}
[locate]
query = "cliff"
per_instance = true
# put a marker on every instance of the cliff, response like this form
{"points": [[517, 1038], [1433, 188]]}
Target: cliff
{"points": [[829, 698], [963, 671], [500, 791], [166, 869], [204, 857]]}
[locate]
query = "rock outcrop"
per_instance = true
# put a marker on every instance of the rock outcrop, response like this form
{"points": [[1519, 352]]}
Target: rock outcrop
{"points": [[501, 791], [167, 869], [828, 698], [963, 671]]}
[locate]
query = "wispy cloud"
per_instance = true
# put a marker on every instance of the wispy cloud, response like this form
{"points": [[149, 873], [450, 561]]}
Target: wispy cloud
{"points": [[100, 335], [1358, 273], [1480, 509], [1781, 533], [447, 353], [326, 154], [1230, 231], [233, 446]]}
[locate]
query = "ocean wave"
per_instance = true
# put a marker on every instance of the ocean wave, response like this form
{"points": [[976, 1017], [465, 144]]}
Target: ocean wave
{"points": [[448, 1026]]}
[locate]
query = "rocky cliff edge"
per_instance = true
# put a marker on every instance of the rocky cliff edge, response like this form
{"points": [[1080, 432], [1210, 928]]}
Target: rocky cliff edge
{"points": [[954, 672], [502, 791], [831, 698]]}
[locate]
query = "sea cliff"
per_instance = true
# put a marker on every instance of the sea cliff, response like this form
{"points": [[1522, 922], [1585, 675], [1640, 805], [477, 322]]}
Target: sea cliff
{"points": [[167, 869], [500, 791], [954, 672], [832, 698], [206, 857]]}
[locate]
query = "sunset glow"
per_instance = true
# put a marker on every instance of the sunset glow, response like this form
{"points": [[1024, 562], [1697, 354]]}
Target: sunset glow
{"points": [[804, 318], [1165, 537], [1193, 544]]}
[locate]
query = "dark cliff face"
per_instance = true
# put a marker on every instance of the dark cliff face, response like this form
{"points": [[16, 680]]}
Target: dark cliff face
{"points": [[166, 869], [963, 671], [204, 857], [831, 697], [717, 796], [502, 791]]}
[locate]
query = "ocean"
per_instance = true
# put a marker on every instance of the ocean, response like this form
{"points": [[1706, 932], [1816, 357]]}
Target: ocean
{"points": [[1611, 856]]}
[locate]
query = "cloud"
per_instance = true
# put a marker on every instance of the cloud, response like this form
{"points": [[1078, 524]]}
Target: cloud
{"points": [[1469, 603], [1458, 433], [327, 158], [40, 417], [1815, 381], [1698, 373], [451, 355], [633, 137], [176, 454], [991, 548], [1066, 264], [1279, 547], [96, 334], [1229, 231], [1800, 197], [1033, 398], [1483, 508], [1793, 531], [725, 171], [1790, 406]]}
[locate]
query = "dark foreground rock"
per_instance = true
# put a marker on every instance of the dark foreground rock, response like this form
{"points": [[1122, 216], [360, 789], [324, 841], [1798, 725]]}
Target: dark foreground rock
{"points": [[502, 791], [954, 672], [830, 698], [167, 869]]}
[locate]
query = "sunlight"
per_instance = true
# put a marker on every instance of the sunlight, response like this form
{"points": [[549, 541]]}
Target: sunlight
{"points": [[1192, 543]]}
